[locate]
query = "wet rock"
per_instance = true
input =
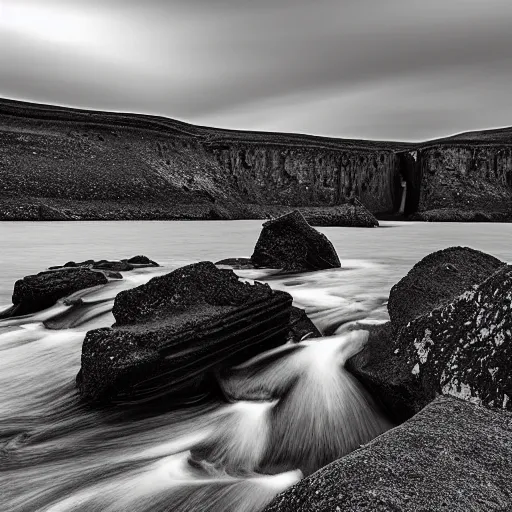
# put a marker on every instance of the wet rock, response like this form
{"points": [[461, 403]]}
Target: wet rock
{"points": [[37, 292], [124, 265], [453, 456], [172, 331], [142, 260], [237, 263], [457, 340], [463, 349], [291, 244], [49, 213], [436, 280], [377, 367], [301, 327]]}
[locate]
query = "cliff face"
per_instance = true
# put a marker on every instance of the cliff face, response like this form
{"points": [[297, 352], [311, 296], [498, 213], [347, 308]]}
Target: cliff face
{"points": [[67, 163], [295, 176], [466, 177]]}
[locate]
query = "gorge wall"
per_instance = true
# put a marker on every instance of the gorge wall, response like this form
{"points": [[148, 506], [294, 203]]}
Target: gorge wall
{"points": [[60, 163]]}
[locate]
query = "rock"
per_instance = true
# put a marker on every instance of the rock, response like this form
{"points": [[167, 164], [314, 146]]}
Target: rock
{"points": [[142, 260], [436, 280], [291, 244], [115, 266], [49, 213], [37, 292], [301, 327], [237, 263], [460, 215], [172, 331], [463, 349], [452, 456], [375, 366], [112, 265], [457, 340], [347, 215]]}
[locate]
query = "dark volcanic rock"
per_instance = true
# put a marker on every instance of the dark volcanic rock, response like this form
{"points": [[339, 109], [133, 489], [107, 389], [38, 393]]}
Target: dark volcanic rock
{"points": [[37, 292], [436, 280], [453, 456], [237, 263], [301, 327], [457, 340], [457, 215], [112, 265], [465, 348], [170, 332], [291, 244], [142, 260]]}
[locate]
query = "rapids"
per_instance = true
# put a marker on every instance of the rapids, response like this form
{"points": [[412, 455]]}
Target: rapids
{"points": [[286, 412]]}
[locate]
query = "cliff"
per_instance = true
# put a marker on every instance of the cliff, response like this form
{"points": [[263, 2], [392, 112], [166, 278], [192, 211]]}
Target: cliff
{"points": [[61, 163]]}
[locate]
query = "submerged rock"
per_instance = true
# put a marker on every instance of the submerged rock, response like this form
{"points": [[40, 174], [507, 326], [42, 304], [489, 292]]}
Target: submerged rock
{"points": [[40, 291], [453, 455], [174, 330], [237, 263], [291, 244], [457, 339], [436, 280], [124, 265]]}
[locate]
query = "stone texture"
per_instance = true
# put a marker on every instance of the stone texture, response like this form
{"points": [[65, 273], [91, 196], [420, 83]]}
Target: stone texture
{"points": [[301, 327], [457, 339], [466, 177], [172, 331], [291, 244], [40, 291], [436, 280], [453, 455]]}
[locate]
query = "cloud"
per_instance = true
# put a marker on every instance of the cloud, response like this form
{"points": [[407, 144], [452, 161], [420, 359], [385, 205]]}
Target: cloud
{"points": [[362, 68]]}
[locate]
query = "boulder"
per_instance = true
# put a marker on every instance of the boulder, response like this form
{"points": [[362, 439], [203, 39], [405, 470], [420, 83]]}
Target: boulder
{"points": [[354, 215], [291, 244], [460, 344], [453, 455], [436, 280], [301, 327], [173, 331], [37, 292], [142, 260]]}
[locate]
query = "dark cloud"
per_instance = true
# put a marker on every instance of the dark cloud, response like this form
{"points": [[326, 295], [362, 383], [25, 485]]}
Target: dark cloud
{"points": [[369, 68]]}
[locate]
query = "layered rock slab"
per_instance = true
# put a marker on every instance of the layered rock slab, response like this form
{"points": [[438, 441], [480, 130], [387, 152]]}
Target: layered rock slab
{"points": [[40, 291], [174, 330], [291, 244], [453, 455]]}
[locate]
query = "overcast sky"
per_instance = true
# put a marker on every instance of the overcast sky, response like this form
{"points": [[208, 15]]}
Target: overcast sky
{"points": [[380, 69]]}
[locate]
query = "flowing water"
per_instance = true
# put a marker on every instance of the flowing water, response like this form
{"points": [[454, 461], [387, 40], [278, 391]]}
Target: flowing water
{"points": [[288, 411]]}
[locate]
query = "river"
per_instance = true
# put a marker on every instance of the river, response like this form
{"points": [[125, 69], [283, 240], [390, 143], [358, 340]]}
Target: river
{"points": [[291, 410]]}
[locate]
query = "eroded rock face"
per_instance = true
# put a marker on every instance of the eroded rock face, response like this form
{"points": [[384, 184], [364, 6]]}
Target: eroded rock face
{"points": [[291, 244], [40, 291], [450, 333], [453, 455], [172, 331], [465, 348], [436, 280]]}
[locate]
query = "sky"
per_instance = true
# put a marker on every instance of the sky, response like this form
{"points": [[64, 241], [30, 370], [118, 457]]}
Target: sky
{"points": [[373, 69]]}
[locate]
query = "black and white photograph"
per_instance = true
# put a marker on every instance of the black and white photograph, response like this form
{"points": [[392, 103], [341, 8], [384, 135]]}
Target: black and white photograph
{"points": [[255, 256]]}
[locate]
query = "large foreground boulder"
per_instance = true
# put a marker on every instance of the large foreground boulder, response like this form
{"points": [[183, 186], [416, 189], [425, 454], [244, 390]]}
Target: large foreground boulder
{"points": [[40, 291], [453, 456], [436, 280], [455, 337], [291, 244], [173, 331]]}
